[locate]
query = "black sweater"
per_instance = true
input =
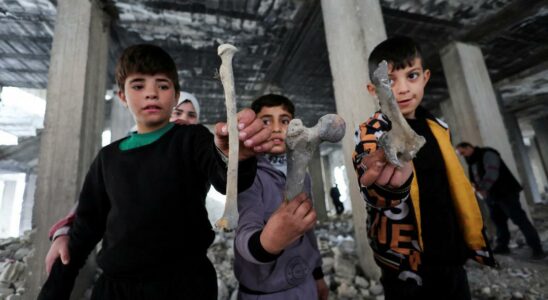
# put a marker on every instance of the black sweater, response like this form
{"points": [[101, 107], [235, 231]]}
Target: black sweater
{"points": [[148, 204], [442, 238]]}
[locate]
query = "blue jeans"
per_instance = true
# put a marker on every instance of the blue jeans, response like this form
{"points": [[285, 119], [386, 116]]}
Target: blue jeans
{"points": [[508, 207]]}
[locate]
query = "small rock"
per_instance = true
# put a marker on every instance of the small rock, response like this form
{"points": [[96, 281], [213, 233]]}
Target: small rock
{"points": [[361, 282], [376, 289]]}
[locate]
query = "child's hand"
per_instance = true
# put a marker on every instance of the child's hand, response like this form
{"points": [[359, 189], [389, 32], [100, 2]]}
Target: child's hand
{"points": [[381, 173], [59, 248], [253, 135], [292, 219]]}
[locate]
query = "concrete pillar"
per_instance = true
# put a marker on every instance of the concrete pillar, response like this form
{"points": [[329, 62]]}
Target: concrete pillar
{"points": [[480, 121], [318, 195], [73, 122], [6, 207], [538, 167], [28, 202], [540, 126], [121, 120], [328, 182], [525, 169], [353, 28]]}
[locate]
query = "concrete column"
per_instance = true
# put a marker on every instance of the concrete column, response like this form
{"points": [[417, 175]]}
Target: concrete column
{"points": [[480, 121], [73, 122], [318, 195], [328, 182], [538, 167], [525, 169], [353, 28], [121, 120], [6, 207], [28, 203], [540, 126]]}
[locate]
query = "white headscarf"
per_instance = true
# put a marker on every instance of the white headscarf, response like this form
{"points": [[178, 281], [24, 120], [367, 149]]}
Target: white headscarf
{"points": [[188, 96]]}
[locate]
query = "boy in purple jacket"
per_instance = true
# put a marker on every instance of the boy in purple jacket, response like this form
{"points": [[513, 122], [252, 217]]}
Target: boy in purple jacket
{"points": [[276, 252]]}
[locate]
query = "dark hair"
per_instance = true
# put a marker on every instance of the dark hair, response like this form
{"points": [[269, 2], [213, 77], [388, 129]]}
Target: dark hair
{"points": [[400, 51], [146, 59], [271, 100], [464, 145]]}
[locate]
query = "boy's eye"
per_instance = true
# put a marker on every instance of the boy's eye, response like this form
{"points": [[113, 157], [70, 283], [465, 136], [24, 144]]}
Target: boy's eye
{"points": [[413, 75], [136, 87], [164, 87], [286, 121], [266, 122]]}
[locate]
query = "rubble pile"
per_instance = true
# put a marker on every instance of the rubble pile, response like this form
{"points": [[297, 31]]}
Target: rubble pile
{"points": [[518, 277], [14, 253]]}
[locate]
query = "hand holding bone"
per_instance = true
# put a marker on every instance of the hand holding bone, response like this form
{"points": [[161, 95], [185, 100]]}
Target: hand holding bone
{"points": [[252, 135], [288, 223], [380, 172]]}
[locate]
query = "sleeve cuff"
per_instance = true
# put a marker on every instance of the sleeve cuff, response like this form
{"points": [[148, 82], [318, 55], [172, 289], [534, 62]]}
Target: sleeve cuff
{"points": [[396, 193], [223, 157], [59, 232], [318, 273], [257, 250]]}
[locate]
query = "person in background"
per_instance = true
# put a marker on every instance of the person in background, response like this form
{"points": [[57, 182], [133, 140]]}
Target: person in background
{"points": [[500, 189], [335, 197]]}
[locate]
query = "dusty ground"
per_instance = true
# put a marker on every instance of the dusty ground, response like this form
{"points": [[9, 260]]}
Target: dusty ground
{"points": [[519, 276]]}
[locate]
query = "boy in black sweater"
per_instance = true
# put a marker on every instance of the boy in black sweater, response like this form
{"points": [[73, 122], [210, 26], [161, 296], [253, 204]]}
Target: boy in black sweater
{"points": [[131, 193], [422, 228]]}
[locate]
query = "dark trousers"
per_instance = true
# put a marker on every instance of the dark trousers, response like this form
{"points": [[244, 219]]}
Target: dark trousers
{"points": [[197, 280], [339, 207], [445, 282], [508, 207]]}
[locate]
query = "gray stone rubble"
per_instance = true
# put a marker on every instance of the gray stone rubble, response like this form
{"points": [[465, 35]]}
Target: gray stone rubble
{"points": [[517, 278]]}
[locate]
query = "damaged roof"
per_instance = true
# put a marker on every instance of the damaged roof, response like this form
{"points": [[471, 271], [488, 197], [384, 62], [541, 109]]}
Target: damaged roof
{"points": [[283, 48]]}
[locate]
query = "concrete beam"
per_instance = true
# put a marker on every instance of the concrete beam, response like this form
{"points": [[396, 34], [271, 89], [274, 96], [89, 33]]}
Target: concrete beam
{"points": [[73, 122], [353, 28]]}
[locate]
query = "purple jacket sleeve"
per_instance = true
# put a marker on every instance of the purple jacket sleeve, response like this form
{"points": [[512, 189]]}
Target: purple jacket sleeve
{"points": [[251, 222]]}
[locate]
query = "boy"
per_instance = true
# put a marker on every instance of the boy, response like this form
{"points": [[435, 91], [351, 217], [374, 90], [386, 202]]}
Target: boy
{"points": [[276, 252], [131, 193], [187, 111], [424, 221]]}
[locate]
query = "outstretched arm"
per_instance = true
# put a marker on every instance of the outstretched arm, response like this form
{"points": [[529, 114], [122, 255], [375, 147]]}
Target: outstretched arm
{"points": [[382, 184]]}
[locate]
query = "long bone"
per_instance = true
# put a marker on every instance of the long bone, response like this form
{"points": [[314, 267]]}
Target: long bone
{"points": [[229, 219], [400, 143], [301, 143]]}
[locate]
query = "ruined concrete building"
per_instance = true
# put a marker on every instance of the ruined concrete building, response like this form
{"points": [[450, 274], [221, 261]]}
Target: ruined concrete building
{"points": [[489, 63]]}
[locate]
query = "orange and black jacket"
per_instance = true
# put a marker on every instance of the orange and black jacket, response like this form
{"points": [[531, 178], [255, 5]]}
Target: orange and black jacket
{"points": [[394, 215]]}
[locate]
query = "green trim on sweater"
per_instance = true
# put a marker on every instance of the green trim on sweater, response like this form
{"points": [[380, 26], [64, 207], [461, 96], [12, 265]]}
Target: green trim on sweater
{"points": [[136, 140]]}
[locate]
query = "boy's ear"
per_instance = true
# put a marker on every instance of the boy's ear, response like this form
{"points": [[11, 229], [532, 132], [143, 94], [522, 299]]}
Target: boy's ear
{"points": [[371, 89], [122, 97], [426, 76]]}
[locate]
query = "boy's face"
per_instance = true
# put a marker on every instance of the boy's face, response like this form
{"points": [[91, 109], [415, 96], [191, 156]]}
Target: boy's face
{"points": [[150, 98], [407, 86], [184, 114], [277, 118]]}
